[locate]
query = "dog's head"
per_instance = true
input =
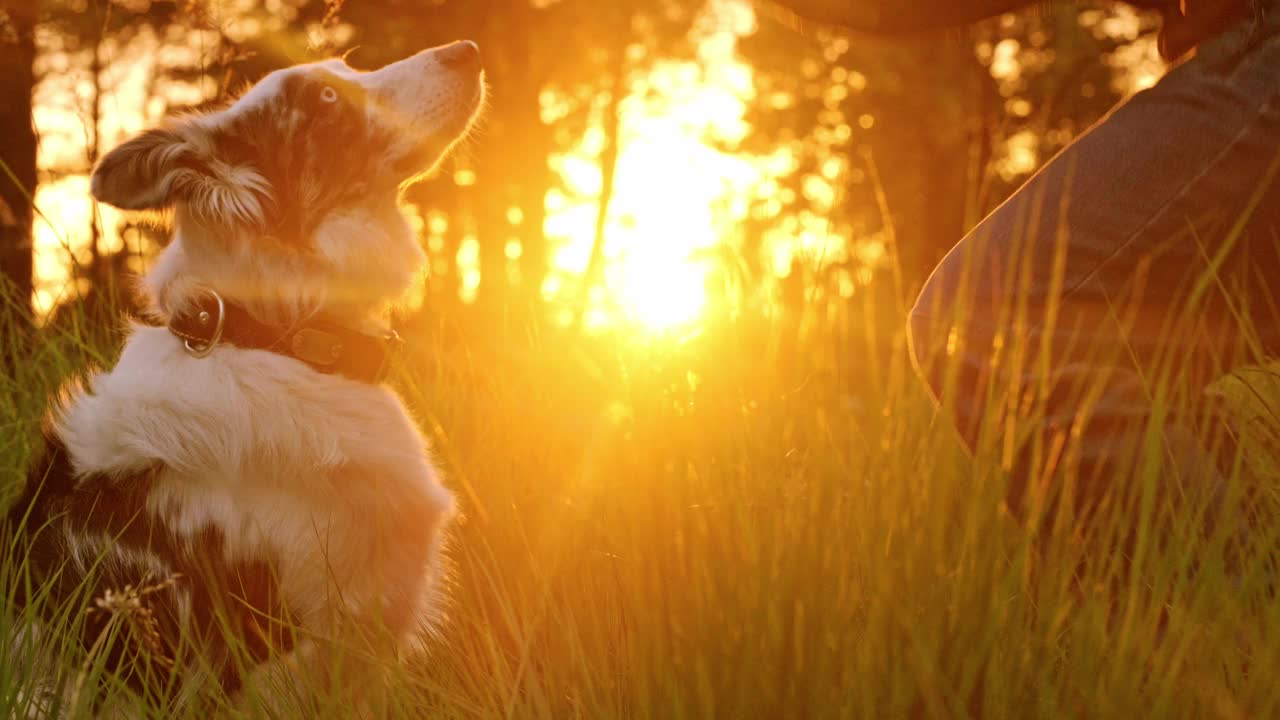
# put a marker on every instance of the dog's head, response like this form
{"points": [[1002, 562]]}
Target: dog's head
{"points": [[292, 189]]}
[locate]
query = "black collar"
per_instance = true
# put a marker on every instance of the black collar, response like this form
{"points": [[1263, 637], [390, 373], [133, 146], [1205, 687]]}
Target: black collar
{"points": [[326, 347]]}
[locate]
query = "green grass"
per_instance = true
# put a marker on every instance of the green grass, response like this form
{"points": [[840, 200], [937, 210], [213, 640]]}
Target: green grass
{"points": [[768, 520]]}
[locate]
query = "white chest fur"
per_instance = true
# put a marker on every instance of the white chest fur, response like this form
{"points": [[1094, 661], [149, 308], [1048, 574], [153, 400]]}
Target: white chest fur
{"points": [[325, 478]]}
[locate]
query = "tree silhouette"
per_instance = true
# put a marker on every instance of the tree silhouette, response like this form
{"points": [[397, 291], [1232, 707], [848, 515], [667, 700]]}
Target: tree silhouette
{"points": [[911, 131], [18, 151]]}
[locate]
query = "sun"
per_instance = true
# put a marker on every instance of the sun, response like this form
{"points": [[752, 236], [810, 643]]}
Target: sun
{"points": [[678, 193], [661, 293], [668, 215]]}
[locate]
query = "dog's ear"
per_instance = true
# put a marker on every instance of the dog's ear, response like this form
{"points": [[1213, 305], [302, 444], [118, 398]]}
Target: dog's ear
{"points": [[167, 165], [148, 172]]}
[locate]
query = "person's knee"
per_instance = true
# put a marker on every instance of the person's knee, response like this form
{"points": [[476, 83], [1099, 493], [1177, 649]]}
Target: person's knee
{"points": [[944, 342], [919, 327], [923, 328]]}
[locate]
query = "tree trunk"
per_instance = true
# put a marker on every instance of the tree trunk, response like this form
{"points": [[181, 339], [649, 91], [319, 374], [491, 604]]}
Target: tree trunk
{"points": [[515, 171], [96, 271], [612, 127], [17, 147]]}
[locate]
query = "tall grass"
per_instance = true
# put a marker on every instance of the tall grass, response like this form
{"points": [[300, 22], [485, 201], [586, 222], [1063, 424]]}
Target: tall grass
{"points": [[765, 520]]}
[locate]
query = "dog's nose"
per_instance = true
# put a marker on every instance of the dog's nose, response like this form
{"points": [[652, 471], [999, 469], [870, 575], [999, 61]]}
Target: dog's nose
{"points": [[462, 55]]}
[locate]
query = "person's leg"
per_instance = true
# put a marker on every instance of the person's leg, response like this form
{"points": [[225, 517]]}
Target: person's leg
{"points": [[1146, 252]]}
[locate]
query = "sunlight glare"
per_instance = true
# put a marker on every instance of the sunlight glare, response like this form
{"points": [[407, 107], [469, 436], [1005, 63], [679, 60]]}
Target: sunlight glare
{"points": [[661, 292], [674, 189]]}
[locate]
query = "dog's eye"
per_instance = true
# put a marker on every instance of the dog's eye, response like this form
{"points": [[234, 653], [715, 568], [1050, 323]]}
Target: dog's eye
{"points": [[328, 94]]}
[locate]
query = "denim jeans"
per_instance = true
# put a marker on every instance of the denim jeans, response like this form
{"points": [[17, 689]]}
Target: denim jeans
{"points": [[1146, 252]]}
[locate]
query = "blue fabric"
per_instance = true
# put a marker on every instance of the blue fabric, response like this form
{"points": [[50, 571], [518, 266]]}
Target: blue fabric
{"points": [[1133, 255]]}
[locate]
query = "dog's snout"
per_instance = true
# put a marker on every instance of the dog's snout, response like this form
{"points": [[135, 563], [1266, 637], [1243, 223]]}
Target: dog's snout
{"points": [[463, 54]]}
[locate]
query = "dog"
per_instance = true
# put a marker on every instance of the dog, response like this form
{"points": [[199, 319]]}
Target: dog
{"points": [[241, 487]]}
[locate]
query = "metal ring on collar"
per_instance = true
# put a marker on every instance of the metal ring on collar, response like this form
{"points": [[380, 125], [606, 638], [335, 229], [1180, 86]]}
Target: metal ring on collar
{"points": [[203, 349]]}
